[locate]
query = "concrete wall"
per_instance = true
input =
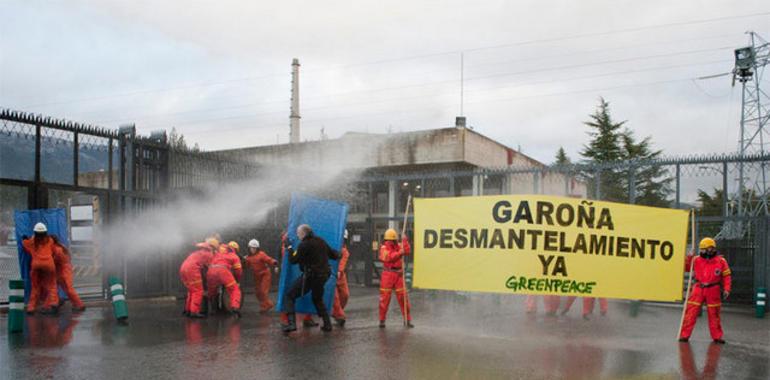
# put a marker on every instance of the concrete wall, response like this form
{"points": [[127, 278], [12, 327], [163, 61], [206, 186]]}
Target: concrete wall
{"points": [[365, 150]]}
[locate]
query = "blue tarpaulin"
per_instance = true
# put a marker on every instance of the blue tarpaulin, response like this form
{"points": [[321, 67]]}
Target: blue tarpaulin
{"points": [[55, 219], [327, 219]]}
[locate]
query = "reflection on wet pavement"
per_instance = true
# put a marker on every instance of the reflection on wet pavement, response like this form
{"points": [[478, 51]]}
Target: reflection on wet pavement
{"points": [[457, 336]]}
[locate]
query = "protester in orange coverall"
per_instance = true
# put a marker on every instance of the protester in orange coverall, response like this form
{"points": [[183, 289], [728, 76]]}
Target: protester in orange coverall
{"points": [[192, 277], [260, 264], [551, 304], [588, 306], [61, 258], [342, 291], [712, 284], [42, 271], [226, 270], [391, 254], [307, 320]]}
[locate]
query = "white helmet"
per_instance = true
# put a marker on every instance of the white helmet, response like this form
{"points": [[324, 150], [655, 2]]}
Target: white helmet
{"points": [[40, 227], [345, 234], [253, 243]]}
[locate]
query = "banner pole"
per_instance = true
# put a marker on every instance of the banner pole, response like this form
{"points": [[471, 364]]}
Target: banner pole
{"points": [[689, 280], [403, 263]]}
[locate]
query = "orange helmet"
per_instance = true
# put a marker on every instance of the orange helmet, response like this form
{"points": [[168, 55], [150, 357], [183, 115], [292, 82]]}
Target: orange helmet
{"points": [[391, 234], [707, 242], [213, 242], [234, 246]]}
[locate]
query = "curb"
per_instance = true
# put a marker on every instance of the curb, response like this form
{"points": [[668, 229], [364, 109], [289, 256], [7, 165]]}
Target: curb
{"points": [[105, 303]]}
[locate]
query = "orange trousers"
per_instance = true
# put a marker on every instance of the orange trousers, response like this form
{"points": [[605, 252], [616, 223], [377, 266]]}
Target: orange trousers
{"points": [[222, 276], [64, 280], [193, 280], [551, 304], [341, 297], [262, 282], [43, 279], [588, 305], [390, 281], [712, 297]]}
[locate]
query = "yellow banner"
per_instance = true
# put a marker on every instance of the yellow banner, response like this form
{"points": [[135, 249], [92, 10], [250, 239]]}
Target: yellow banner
{"points": [[534, 244]]}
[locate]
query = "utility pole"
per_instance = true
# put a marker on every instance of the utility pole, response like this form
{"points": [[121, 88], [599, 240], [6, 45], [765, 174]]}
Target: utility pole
{"points": [[751, 196]]}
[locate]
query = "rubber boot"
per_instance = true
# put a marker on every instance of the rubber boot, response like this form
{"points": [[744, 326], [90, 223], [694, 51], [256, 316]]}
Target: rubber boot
{"points": [[340, 322], [382, 324], [327, 326], [309, 323], [291, 325]]}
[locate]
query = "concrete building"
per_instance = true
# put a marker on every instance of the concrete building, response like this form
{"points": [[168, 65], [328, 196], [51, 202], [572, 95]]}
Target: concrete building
{"points": [[403, 159]]}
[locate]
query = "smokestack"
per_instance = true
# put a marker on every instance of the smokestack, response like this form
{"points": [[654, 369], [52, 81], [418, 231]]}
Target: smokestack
{"points": [[294, 116], [460, 122]]}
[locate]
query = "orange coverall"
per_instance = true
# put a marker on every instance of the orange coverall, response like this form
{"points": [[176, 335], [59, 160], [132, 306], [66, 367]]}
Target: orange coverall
{"points": [[42, 272], [588, 305], [225, 269], [551, 303], [61, 258], [712, 276], [260, 264], [192, 278], [342, 292], [393, 277]]}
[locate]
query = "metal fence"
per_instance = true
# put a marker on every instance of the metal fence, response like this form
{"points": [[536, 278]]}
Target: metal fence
{"points": [[98, 175], [110, 174]]}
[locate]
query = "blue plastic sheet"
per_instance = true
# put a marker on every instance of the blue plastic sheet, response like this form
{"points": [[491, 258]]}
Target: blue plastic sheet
{"points": [[327, 219], [55, 219]]}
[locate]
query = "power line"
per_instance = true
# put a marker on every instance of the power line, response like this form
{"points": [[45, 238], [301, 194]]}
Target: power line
{"points": [[325, 120], [401, 98], [560, 56], [453, 52], [489, 76]]}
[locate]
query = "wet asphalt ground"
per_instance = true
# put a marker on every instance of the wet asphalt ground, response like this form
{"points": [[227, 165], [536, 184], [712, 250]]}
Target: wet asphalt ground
{"points": [[457, 336]]}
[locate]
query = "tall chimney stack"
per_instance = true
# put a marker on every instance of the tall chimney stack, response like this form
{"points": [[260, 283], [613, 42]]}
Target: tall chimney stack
{"points": [[294, 116]]}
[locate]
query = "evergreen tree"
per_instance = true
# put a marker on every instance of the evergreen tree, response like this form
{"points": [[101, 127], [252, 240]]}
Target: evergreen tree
{"points": [[611, 142], [561, 157], [652, 186], [711, 205], [177, 141], [604, 147]]}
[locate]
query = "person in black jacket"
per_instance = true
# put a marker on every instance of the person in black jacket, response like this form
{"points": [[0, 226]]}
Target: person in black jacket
{"points": [[312, 255]]}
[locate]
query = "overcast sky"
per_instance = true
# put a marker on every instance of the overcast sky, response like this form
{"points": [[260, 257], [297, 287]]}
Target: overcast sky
{"points": [[219, 71]]}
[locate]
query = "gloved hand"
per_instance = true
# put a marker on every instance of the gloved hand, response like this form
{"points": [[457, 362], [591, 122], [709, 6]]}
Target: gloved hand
{"points": [[276, 269], [725, 294]]}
